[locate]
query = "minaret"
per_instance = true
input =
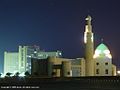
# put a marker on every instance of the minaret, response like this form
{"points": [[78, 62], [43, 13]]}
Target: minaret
{"points": [[89, 48]]}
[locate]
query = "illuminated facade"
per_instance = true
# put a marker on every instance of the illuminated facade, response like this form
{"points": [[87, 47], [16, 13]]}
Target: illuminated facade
{"points": [[100, 63], [28, 52], [78, 67], [103, 61], [25, 54], [11, 62], [114, 70], [44, 55], [58, 67], [21, 61]]}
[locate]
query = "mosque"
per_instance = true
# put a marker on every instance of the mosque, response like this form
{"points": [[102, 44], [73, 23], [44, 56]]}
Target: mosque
{"points": [[95, 63], [51, 64]]}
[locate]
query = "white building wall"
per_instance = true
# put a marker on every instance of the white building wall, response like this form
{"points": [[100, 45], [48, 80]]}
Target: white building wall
{"points": [[103, 66], [82, 61], [103, 61], [78, 67], [22, 59], [11, 63], [114, 71]]}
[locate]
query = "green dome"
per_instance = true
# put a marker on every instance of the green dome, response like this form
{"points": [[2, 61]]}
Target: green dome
{"points": [[102, 50], [102, 47]]}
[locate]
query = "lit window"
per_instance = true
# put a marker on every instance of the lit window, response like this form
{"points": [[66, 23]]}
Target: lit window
{"points": [[109, 56], [98, 52], [106, 51], [40, 55], [35, 51], [60, 53]]}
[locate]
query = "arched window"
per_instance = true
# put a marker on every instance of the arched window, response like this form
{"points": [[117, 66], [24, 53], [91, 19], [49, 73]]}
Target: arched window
{"points": [[106, 71], [97, 71]]}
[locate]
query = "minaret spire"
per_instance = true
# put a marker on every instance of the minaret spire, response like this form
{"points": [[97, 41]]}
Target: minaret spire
{"points": [[89, 47], [88, 24], [88, 20]]}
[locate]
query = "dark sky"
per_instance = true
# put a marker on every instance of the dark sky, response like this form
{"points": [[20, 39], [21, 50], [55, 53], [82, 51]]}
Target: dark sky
{"points": [[58, 25]]}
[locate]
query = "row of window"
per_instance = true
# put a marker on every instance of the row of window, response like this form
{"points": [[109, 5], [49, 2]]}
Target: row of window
{"points": [[99, 63], [98, 71]]}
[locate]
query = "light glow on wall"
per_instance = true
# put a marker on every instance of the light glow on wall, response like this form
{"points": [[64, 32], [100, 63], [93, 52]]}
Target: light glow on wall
{"points": [[85, 37], [102, 50], [118, 71]]}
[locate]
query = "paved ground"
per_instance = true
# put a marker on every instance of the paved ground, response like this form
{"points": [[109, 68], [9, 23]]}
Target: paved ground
{"points": [[82, 83]]}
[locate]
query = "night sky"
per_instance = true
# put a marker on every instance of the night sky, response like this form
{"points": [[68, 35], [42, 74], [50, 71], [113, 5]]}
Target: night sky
{"points": [[58, 25]]}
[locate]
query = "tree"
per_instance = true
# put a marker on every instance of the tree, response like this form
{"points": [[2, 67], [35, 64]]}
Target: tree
{"points": [[8, 74], [17, 74], [27, 74], [0, 75]]}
